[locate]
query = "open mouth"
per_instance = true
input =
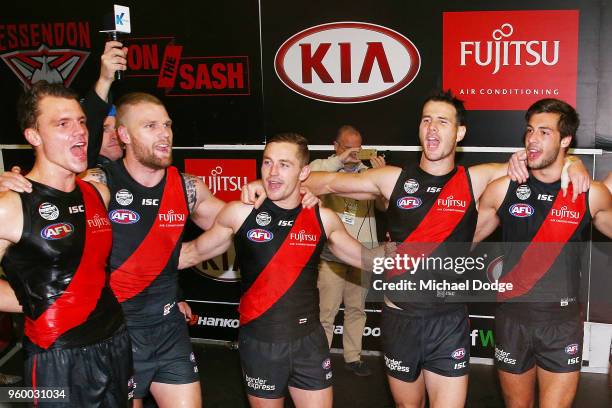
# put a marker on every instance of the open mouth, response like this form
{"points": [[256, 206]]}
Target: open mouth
{"points": [[533, 153], [432, 143], [79, 150]]}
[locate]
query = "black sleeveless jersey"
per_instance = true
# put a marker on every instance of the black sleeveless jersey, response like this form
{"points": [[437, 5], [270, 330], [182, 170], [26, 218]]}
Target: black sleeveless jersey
{"points": [[543, 239], [148, 225], [278, 252], [434, 217], [58, 269]]}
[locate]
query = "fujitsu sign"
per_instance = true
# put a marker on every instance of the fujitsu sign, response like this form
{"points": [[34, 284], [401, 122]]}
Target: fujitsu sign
{"points": [[347, 62], [506, 60]]}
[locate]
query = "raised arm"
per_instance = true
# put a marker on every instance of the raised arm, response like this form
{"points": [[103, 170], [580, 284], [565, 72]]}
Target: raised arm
{"points": [[217, 239], [96, 103], [490, 201], [600, 203]]}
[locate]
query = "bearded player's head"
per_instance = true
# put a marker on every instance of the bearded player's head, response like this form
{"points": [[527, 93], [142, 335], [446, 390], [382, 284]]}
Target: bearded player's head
{"points": [[284, 166], [145, 129], [551, 126]]}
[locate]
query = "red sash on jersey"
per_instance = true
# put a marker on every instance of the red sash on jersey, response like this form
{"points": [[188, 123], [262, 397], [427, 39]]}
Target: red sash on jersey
{"points": [[537, 259], [153, 253], [281, 271], [82, 294], [438, 224]]}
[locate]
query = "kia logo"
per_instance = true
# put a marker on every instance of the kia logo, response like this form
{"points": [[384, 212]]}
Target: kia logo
{"points": [[521, 210], [259, 235], [409, 203], [347, 62]]}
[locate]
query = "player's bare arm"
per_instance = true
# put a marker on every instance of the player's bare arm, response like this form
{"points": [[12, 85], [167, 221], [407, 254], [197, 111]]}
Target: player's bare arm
{"points": [[367, 185], [94, 174], [217, 239], [11, 226], [574, 172], [341, 244], [490, 201], [203, 205], [600, 204]]}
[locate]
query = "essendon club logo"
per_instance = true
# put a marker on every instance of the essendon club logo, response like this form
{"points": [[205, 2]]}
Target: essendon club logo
{"points": [[521, 210], [124, 216], [347, 62], [37, 51], [506, 60], [259, 235], [224, 177], [409, 203], [57, 231]]}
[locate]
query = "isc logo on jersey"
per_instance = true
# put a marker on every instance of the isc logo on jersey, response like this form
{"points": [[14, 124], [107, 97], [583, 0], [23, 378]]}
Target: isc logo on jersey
{"points": [[57, 231], [409, 203], [259, 235], [521, 210], [124, 216]]}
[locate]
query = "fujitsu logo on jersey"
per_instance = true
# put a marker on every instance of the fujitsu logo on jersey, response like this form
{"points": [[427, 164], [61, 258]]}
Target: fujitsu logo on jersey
{"points": [[499, 52], [217, 182], [302, 236], [521, 210], [450, 204], [97, 222], [57, 231], [124, 216], [409, 203], [171, 217], [259, 235], [565, 215]]}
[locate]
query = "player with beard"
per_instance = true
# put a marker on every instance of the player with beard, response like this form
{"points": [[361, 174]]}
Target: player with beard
{"points": [[55, 242], [150, 203], [425, 339], [538, 326], [282, 343]]}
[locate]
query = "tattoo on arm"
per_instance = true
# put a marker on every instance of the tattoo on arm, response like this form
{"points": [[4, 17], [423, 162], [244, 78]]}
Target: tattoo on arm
{"points": [[97, 174], [191, 189]]}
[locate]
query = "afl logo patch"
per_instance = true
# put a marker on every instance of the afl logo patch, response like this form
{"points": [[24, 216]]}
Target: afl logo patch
{"points": [[572, 349], [409, 203], [521, 210], [411, 186], [523, 191], [259, 235], [124, 197], [57, 231], [263, 219], [124, 216], [48, 211], [458, 354], [326, 364]]}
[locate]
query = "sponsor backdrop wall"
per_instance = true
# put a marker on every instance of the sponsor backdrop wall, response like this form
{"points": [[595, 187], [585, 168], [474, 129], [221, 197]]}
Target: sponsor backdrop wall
{"points": [[236, 72]]}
